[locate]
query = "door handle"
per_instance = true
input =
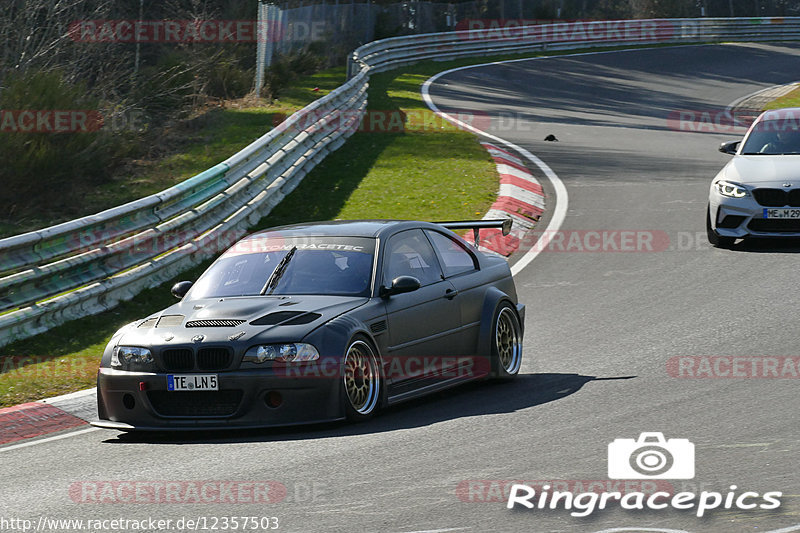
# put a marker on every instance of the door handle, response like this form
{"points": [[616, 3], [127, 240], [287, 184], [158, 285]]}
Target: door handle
{"points": [[450, 294]]}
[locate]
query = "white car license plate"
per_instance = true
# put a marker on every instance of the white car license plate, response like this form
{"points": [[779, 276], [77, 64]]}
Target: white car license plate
{"points": [[781, 213], [192, 382]]}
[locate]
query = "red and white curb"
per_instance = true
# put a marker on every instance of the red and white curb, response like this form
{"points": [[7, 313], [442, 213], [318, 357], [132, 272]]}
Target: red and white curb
{"points": [[53, 415], [521, 198]]}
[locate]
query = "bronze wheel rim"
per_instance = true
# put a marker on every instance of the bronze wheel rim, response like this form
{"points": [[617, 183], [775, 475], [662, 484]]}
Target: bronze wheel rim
{"points": [[361, 377]]}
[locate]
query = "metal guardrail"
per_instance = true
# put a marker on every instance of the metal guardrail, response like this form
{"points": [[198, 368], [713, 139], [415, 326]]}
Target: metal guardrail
{"points": [[88, 265]]}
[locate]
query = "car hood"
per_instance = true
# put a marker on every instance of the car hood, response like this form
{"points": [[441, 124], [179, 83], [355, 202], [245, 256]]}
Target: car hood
{"points": [[763, 169], [238, 320]]}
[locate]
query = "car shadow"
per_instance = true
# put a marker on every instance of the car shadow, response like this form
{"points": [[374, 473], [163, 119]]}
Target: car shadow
{"points": [[767, 245], [473, 399]]}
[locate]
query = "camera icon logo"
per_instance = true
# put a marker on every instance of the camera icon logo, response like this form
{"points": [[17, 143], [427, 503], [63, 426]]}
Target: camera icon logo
{"points": [[651, 457]]}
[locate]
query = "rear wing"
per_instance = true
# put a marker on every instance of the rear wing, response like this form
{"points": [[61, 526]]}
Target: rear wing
{"points": [[503, 224]]}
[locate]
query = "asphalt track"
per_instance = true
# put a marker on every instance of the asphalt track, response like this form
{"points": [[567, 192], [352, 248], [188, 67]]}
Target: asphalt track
{"points": [[601, 328]]}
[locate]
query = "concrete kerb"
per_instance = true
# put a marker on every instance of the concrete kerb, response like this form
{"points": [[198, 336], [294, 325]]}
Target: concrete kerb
{"points": [[746, 109]]}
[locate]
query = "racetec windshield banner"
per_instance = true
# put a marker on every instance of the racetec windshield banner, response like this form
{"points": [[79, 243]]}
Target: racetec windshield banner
{"points": [[276, 242]]}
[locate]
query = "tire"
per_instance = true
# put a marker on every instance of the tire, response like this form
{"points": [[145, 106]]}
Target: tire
{"points": [[506, 343], [713, 238], [362, 380]]}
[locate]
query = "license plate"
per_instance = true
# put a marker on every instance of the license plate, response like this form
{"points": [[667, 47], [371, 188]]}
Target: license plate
{"points": [[191, 382], [781, 213]]}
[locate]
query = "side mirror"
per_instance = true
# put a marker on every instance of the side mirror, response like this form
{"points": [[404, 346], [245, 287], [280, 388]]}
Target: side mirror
{"points": [[729, 147], [400, 285], [180, 289]]}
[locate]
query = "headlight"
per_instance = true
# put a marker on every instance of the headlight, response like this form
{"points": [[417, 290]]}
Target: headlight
{"points": [[288, 353], [131, 358], [730, 189]]}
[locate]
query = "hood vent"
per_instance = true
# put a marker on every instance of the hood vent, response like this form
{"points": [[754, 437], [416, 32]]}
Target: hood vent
{"points": [[165, 321], [170, 321], [214, 323], [149, 323], [286, 318]]}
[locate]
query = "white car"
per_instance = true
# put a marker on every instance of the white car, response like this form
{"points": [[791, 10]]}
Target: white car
{"points": [[757, 194]]}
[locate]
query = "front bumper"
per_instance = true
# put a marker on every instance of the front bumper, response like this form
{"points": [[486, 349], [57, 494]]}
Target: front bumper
{"points": [[245, 399], [744, 217]]}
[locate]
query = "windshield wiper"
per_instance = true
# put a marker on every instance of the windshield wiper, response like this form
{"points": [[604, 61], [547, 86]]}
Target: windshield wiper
{"points": [[276, 275]]}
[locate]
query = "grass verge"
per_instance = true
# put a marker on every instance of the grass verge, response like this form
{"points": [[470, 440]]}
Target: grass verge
{"points": [[791, 99]]}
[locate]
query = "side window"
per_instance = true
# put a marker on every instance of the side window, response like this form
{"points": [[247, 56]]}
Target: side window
{"points": [[410, 254], [455, 258]]}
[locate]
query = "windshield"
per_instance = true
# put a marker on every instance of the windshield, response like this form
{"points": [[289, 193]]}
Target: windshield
{"points": [[339, 266], [773, 137]]}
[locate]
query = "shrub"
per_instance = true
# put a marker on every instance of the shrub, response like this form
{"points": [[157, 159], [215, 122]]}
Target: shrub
{"points": [[37, 167], [285, 69], [227, 79]]}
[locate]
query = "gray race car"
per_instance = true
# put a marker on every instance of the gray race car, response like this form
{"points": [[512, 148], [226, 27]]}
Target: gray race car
{"points": [[317, 322]]}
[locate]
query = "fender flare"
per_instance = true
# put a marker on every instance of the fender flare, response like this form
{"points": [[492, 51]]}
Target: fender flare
{"points": [[338, 333], [494, 297]]}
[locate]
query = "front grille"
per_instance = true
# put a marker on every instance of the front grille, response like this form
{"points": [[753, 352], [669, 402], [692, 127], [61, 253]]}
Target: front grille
{"points": [[213, 358], [216, 323], [775, 225], [777, 197], [178, 359], [195, 403]]}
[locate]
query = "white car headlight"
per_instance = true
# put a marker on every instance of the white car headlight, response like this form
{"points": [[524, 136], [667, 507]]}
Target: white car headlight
{"points": [[287, 353], [730, 189], [131, 358]]}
